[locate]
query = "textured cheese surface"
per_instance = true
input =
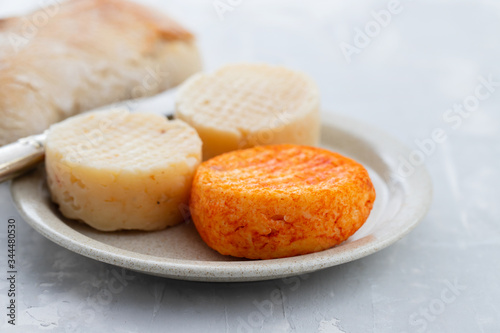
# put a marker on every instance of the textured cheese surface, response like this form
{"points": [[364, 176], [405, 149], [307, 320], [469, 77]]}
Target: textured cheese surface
{"points": [[119, 170], [279, 201], [244, 105]]}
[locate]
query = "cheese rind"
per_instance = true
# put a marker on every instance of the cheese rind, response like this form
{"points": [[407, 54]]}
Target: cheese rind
{"points": [[119, 170], [279, 201], [245, 105]]}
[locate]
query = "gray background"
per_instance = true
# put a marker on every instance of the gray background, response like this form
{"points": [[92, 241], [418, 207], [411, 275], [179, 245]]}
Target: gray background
{"points": [[442, 277]]}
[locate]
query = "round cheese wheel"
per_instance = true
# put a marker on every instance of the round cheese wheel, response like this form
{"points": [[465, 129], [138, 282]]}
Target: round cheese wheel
{"points": [[245, 105], [119, 170], [279, 201]]}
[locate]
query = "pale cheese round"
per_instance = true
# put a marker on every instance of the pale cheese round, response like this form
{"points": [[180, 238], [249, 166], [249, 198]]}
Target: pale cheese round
{"points": [[245, 105], [119, 170]]}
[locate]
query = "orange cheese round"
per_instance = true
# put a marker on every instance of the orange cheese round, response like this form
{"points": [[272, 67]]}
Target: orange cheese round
{"points": [[279, 201]]}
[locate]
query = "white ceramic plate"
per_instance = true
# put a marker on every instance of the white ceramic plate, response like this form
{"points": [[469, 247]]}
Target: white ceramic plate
{"points": [[179, 252]]}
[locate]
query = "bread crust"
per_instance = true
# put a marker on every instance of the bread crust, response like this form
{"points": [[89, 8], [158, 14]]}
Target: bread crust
{"points": [[279, 201], [86, 54]]}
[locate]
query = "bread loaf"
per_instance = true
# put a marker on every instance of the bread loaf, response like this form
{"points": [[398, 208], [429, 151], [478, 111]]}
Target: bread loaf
{"points": [[83, 54]]}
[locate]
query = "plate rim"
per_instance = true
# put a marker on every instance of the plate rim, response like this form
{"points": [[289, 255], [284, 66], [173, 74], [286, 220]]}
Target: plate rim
{"points": [[243, 271]]}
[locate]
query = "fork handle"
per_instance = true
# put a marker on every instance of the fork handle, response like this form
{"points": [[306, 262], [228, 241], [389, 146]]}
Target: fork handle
{"points": [[18, 157]]}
